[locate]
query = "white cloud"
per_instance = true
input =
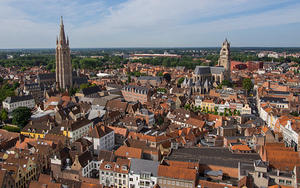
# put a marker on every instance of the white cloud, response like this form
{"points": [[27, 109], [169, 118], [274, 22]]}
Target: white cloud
{"points": [[34, 23], [177, 22]]}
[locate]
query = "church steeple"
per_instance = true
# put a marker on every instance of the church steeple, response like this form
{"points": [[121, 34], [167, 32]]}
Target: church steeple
{"points": [[226, 43], [63, 60], [62, 36]]}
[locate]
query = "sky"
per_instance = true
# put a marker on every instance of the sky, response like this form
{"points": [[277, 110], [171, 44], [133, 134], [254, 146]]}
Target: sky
{"points": [[150, 23]]}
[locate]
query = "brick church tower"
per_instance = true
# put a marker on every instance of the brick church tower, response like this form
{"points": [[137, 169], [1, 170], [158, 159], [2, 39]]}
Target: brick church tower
{"points": [[63, 60]]}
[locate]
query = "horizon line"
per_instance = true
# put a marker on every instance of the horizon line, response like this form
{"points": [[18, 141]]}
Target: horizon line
{"points": [[44, 48]]}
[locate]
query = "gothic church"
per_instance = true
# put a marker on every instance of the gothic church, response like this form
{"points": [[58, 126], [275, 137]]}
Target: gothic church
{"points": [[206, 77]]}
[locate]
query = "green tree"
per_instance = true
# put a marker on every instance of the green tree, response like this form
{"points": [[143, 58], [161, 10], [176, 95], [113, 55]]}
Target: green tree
{"points": [[137, 74], [187, 106], [160, 120], [235, 112], [16, 85], [3, 115], [83, 86], [72, 91], [21, 116], [160, 74], [180, 81], [247, 85], [162, 90], [294, 114], [167, 77], [88, 63], [226, 83], [216, 108], [129, 79], [7, 90]]}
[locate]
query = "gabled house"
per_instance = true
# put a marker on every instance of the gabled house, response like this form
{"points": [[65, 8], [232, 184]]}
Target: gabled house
{"points": [[102, 137], [115, 174]]}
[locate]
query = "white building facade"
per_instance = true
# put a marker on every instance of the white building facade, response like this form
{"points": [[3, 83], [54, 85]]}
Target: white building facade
{"points": [[106, 142], [143, 173], [12, 103]]}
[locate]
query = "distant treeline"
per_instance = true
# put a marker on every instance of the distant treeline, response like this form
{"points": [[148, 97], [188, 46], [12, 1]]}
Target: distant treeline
{"points": [[49, 62], [178, 50], [111, 61], [186, 61], [27, 61]]}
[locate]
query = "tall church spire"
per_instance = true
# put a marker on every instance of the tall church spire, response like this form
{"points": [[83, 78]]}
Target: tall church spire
{"points": [[63, 60], [62, 36]]}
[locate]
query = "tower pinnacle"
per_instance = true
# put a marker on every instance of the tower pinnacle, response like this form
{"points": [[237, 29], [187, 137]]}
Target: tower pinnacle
{"points": [[61, 21], [62, 37]]}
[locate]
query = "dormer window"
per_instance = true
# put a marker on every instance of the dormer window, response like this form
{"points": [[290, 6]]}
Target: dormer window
{"points": [[124, 167]]}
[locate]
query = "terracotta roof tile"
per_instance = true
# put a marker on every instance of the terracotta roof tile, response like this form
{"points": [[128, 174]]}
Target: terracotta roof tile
{"points": [[241, 148], [177, 173], [129, 152]]}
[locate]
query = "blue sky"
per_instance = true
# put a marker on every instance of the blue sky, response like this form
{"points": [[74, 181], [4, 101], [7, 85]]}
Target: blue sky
{"points": [[150, 23]]}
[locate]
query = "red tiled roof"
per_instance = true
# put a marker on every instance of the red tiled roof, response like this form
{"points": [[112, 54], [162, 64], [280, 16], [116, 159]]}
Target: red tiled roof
{"points": [[177, 173], [129, 152]]}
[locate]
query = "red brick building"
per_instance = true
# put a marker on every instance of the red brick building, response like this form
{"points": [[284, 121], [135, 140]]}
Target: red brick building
{"points": [[136, 94], [249, 65]]}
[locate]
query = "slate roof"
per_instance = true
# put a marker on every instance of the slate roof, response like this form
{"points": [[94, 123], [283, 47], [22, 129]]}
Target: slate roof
{"points": [[14, 99], [156, 78], [273, 100], [102, 101], [136, 89], [80, 80], [202, 70], [32, 85], [217, 70], [212, 156], [46, 76], [139, 166], [42, 125], [91, 90], [84, 158], [279, 92], [208, 70], [78, 124]]}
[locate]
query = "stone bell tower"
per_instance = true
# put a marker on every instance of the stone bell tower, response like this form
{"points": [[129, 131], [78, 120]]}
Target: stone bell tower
{"points": [[224, 59], [63, 60]]}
